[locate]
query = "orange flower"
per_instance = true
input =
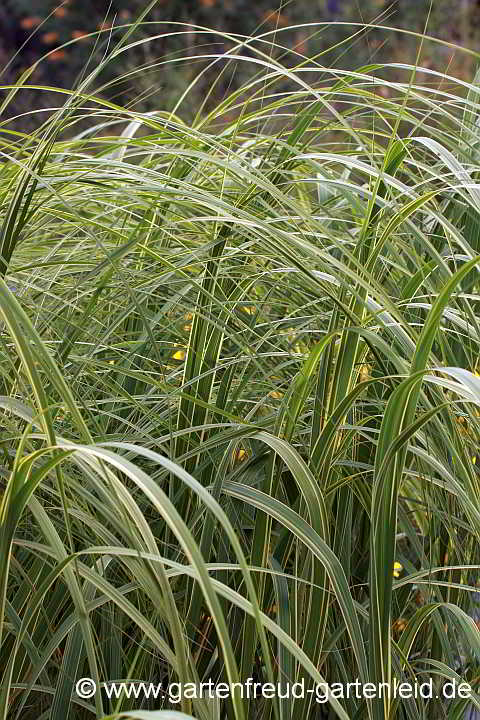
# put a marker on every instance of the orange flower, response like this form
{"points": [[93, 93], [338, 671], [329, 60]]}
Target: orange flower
{"points": [[29, 23], [273, 17], [60, 12], [77, 34], [301, 43], [50, 38], [125, 14], [57, 55], [207, 3], [104, 26]]}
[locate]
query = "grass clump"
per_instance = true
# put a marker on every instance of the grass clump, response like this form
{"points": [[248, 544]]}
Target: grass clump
{"points": [[239, 394]]}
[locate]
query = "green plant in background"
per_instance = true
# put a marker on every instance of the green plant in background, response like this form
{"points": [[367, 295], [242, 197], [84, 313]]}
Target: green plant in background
{"points": [[72, 34], [239, 394]]}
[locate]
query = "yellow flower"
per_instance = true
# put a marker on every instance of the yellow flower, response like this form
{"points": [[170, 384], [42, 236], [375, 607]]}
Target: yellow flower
{"points": [[239, 455], [179, 355], [249, 309], [364, 373], [462, 423], [275, 394], [397, 569], [399, 625]]}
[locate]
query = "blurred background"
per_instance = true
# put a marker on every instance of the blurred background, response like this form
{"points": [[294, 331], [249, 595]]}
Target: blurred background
{"points": [[35, 29]]}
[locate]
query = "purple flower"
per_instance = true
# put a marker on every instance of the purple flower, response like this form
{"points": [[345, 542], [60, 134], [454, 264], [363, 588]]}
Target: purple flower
{"points": [[333, 6]]}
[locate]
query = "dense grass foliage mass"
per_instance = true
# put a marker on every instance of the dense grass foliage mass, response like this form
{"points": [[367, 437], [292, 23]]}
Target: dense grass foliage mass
{"points": [[239, 393]]}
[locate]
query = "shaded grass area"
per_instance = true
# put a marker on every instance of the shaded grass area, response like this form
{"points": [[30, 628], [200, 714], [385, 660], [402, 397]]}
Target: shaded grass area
{"points": [[238, 370]]}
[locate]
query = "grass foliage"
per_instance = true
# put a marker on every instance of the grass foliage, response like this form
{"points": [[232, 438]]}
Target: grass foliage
{"points": [[238, 383]]}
